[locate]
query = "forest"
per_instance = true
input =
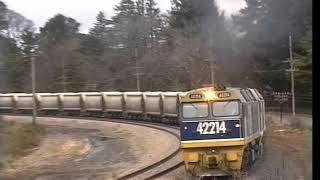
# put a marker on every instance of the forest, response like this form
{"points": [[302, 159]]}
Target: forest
{"points": [[141, 48]]}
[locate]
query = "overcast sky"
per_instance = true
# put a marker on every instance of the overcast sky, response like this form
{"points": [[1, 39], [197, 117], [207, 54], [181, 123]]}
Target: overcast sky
{"points": [[85, 11]]}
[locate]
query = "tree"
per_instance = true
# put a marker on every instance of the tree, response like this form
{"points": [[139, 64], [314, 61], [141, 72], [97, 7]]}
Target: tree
{"points": [[265, 27], [58, 44], [100, 29], [59, 28], [128, 40], [28, 49], [154, 26], [303, 76], [17, 23], [29, 42], [126, 25], [96, 50], [3, 20], [3, 26], [200, 35], [15, 68]]}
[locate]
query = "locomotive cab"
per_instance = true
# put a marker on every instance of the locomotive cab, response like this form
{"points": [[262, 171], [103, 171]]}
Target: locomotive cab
{"points": [[213, 129]]}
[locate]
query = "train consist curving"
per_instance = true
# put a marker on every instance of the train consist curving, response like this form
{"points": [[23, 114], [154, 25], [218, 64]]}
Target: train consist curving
{"points": [[151, 106], [221, 129]]}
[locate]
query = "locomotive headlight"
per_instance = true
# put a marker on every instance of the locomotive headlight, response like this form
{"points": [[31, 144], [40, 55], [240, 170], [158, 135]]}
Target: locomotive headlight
{"points": [[232, 156], [209, 95]]}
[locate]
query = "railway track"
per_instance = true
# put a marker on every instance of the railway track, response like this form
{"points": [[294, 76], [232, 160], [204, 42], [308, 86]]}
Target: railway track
{"points": [[166, 165], [155, 170]]}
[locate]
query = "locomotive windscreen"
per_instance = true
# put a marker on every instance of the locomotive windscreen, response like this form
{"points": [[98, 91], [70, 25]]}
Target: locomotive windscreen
{"points": [[226, 108], [195, 110]]}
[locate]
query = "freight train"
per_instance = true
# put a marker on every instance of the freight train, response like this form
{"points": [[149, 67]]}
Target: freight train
{"points": [[221, 128], [149, 106]]}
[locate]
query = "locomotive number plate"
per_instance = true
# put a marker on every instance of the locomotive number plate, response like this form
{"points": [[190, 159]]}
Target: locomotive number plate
{"points": [[216, 127]]}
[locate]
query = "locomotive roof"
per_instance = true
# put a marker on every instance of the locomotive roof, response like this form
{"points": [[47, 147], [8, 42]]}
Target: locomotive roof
{"points": [[216, 94]]}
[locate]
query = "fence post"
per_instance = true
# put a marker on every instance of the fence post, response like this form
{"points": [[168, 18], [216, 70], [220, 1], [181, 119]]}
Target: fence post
{"points": [[281, 109]]}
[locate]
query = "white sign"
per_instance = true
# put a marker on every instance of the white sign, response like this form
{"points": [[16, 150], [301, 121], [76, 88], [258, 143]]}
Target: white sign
{"points": [[212, 127], [281, 96]]}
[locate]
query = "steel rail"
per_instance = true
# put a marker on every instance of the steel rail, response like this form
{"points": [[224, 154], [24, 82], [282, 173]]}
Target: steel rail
{"points": [[161, 173]]}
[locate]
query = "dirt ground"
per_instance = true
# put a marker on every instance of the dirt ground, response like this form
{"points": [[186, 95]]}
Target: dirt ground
{"points": [[288, 155], [80, 149]]}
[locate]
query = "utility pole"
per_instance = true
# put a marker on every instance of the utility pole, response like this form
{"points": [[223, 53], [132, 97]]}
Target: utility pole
{"points": [[292, 77], [211, 60], [33, 79], [138, 78], [137, 69], [212, 69], [292, 70], [63, 76]]}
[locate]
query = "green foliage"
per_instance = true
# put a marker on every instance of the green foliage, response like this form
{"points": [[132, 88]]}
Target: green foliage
{"points": [[17, 67], [304, 64], [266, 28], [200, 36], [306, 44], [59, 43], [94, 44], [100, 28], [3, 21], [59, 28]]}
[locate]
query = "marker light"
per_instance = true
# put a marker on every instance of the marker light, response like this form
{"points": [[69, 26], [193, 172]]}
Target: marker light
{"points": [[209, 95]]}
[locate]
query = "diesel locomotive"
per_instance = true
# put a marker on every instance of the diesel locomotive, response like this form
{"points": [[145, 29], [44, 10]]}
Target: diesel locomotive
{"points": [[221, 130]]}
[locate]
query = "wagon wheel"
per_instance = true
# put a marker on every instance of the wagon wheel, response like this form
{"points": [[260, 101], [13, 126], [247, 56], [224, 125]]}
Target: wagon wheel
{"points": [[250, 158], [253, 156], [245, 161], [260, 150]]}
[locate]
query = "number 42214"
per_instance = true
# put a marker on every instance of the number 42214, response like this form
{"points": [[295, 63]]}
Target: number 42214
{"points": [[211, 127]]}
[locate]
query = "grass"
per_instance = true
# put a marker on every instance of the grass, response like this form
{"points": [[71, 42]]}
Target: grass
{"points": [[309, 154], [19, 139]]}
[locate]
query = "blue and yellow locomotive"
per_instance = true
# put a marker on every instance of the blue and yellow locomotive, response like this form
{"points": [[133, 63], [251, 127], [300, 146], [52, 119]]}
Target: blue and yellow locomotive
{"points": [[221, 130]]}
